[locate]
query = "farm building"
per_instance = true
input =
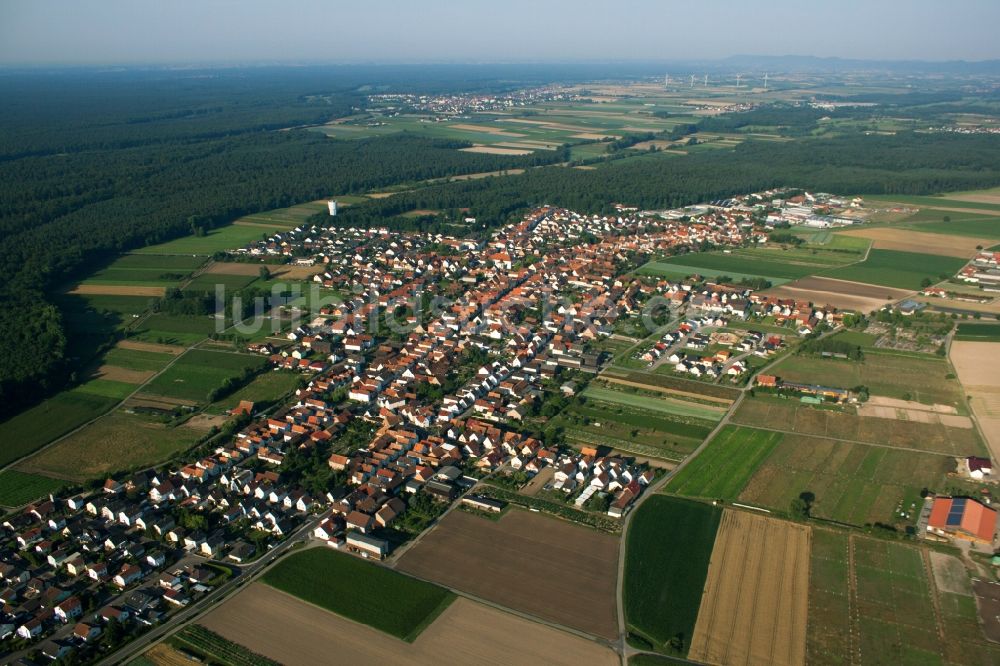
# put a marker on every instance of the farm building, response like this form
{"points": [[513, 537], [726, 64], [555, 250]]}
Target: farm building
{"points": [[979, 467], [962, 518]]}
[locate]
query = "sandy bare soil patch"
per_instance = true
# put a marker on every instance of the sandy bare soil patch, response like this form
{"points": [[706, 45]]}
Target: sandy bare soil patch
{"points": [[532, 563], [115, 290], [895, 403], [204, 422], [978, 368], [494, 150], [487, 130], [296, 272], [485, 174], [380, 195], [590, 136], [162, 654], [757, 594], [907, 240], [843, 294], [126, 375], [950, 574], [294, 632], [915, 415], [975, 198], [533, 145], [236, 268]]}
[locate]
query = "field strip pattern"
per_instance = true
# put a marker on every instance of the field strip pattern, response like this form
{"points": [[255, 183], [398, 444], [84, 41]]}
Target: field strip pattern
{"points": [[755, 603]]}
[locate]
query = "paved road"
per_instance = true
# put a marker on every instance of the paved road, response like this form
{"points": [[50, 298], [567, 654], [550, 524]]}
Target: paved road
{"points": [[248, 574]]}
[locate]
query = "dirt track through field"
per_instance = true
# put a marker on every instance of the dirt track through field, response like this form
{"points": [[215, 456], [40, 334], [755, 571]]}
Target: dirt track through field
{"points": [[535, 564], [755, 603], [978, 368], [294, 632]]}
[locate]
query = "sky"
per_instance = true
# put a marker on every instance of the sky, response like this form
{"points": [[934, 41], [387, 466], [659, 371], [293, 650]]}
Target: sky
{"points": [[138, 32]]}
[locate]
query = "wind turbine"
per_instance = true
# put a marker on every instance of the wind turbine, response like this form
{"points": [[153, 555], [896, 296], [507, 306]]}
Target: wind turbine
{"points": [[765, 80], [692, 80], [706, 80], [666, 81], [738, 77]]}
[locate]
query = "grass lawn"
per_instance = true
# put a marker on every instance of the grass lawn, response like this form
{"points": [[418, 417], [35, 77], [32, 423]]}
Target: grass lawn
{"points": [[668, 547], [725, 466], [36, 427], [18, 488], [361, 591], [119, 441], [663, 404], [903, 270], [198, 372]]}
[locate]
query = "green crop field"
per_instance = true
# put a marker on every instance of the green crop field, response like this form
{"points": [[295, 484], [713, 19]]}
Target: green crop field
{"points": [[663, 404], [851, 483], [978, 332], [379, 597], [126, 305], [115, 442], [723, 468], [18, 488], [209, 281], [883, 607], [212, 648], [36, 427], [175, 329], [675, 383], [140, 270], [264, 388], [199, 371], [769, 264], [667, 550], [135, 359], [108, 388], [224, 238], [902, 270], [921, 379]]}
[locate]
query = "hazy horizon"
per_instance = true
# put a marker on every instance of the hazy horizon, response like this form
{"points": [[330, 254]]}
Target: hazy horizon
{"points": [[141, 32]]}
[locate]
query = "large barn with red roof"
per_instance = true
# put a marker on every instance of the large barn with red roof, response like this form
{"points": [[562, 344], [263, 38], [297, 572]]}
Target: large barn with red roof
{"points": [[962, 518]]}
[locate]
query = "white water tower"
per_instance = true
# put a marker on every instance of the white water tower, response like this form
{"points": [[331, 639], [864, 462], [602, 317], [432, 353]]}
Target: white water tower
{"points": [[332, 206]]}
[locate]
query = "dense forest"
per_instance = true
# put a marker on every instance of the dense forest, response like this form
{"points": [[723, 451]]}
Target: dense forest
{"points": [[905, 163]]}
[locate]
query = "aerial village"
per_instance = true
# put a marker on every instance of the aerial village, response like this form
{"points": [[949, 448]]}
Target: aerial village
{"points": [[403, 415]]}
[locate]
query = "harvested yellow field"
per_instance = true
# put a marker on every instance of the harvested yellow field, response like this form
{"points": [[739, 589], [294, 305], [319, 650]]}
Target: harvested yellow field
{"points": [[115, 290], [162, 654], [494, 150], [756, 597], [978, 365], [906, 240], [294, 632]]}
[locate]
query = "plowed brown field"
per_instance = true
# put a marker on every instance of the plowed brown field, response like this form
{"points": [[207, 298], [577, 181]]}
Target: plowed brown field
{"points": [[756, 598], [535, 564]]}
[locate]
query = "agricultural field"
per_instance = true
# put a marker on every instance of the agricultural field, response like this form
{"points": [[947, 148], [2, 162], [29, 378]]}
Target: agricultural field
{"points": [[632, 429], [977, 365], [18, 488], [921, 379], [966, 332], [723, 469], [909, 240], [767, 264], [874, 600], [199, 372], [901, 270], [790, 415], [285, 628], [264, 388], [843, 294], [664, 576], [175, 329], [34, 428], [657, 404], [539, 565], [755, 604], [136, 270], [361, 591], [210, 281], [851, 483], [201, 641], [138, 360], [671, 385], [114, 442]]}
